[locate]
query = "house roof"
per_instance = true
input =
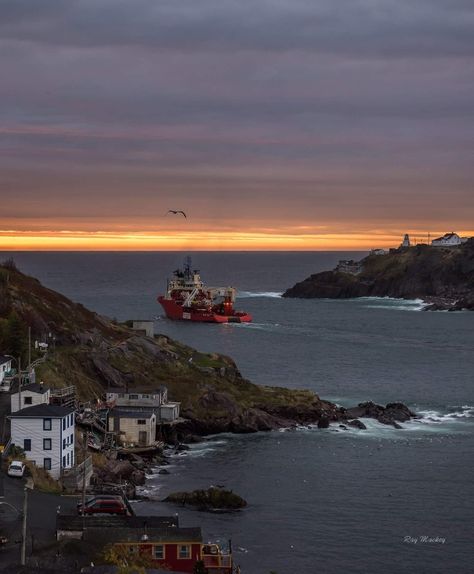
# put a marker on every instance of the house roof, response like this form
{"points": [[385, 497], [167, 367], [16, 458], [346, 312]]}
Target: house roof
{"points": [[131, 534], [447, 236], [134, 391], [130, 528], [75, 521], [128, 414], [41, 411], [32, 387], [4, 359]]}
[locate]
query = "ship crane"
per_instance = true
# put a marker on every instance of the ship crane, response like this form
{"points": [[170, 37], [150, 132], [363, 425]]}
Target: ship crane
{"points": [[190, 298]]}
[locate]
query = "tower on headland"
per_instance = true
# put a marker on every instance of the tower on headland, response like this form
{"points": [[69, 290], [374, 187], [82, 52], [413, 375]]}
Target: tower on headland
{"points": [[406, 241]]}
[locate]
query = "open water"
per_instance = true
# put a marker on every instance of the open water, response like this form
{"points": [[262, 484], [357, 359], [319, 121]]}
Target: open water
{"points": [[320, 501]]}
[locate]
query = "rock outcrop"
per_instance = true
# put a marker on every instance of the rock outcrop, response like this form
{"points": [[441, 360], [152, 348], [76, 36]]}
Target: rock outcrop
{"points": [[208, 500], [443, 277]]}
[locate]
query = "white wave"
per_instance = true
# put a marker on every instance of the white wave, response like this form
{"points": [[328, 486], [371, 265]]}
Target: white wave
{"points": [[248, 294], [432, 416], [394, 303]]}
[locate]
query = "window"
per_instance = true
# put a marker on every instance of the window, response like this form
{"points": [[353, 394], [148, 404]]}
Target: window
{"points": [[133, 397], [47, 424], [159, 552], [132, 549], [64, 461], [47, 444], [141, 422], [47, 463], [184, 552], [72, 419], [64, 424], [27, 444], [145, 396], [64, 443], [68, 459], [27, 400]]}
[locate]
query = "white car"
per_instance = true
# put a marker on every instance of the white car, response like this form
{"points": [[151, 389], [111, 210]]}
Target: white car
{"points": [[16, 468]]}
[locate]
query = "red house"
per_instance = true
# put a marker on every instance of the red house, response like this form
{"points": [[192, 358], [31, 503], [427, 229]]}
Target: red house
{"points": [[171, 547]]}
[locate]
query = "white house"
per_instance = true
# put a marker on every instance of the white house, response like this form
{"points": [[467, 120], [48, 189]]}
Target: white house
{"points": [[46, 434], [144, 400], [447, 240], [169, 411], [133, 427], [31, 395], [137, 397], [5, 366]]}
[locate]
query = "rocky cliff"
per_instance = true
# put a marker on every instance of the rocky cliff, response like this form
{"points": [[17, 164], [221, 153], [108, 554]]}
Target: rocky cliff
{"points": [[444, 277]]}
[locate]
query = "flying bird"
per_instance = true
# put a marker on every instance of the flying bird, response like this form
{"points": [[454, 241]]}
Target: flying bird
{"points": [[176, 212]]}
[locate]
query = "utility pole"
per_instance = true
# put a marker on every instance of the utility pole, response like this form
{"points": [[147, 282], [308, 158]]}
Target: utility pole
{"points": [[29, 348], [23, 527], [19, 383], [85, 438]]}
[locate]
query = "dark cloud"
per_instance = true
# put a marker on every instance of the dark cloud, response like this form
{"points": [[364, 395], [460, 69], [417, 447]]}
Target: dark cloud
{"points": [[384, 28], [347, 105]]}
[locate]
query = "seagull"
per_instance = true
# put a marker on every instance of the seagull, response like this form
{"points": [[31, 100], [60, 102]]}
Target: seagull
{"points": [[176, 212]]}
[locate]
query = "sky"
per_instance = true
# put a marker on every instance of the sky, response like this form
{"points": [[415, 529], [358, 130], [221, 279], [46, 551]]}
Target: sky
{"points": [[275, 124]]}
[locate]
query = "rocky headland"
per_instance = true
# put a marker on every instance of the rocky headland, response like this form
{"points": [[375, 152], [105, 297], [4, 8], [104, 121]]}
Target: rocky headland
{"points": [[93, 352], [442, 277]]}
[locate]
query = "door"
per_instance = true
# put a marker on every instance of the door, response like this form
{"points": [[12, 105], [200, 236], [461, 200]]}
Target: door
{"points": [[142, 438]]}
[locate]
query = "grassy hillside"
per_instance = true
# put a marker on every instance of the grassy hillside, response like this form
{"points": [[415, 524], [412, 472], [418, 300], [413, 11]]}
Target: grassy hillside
{"points": [[93, 352]]}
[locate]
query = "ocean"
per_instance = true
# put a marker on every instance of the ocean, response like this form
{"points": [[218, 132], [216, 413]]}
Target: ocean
{"points": [[320, 501]]}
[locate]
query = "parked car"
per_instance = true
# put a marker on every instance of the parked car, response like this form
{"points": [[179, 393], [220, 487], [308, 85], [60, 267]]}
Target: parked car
{"points": [[106, 504], [16, 468]]}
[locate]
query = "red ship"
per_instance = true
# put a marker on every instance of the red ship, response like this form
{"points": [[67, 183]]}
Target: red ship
{"points": [[187, 298]]}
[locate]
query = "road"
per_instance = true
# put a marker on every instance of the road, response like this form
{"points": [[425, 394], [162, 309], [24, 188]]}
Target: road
{"points": [[41, 518]]}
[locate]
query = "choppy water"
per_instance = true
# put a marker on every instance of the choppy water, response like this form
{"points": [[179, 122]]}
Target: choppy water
{"points": [[327, 501]]}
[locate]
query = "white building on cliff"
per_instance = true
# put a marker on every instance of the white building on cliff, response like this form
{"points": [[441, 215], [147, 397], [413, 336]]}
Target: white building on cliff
{"points": [[448, 240]]}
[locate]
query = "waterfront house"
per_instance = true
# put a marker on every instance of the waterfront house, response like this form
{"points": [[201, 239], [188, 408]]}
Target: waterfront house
{"points": [[46, 434], [136, 397], [31, 395], [447, 240], [155, 401], [170, 546], [133, 427], [378, 252]]}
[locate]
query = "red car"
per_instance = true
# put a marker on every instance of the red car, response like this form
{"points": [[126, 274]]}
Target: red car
{"points": [[107, 505]]}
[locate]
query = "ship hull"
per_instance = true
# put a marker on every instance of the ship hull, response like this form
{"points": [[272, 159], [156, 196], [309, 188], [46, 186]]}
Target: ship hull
{"points": [[177, 312]]}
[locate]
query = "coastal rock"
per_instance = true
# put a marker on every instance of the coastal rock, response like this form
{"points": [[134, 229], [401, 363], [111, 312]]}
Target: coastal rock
{"points": [[356, 423], [387, 415], [323, 423], [208, 500], [443, 277]]}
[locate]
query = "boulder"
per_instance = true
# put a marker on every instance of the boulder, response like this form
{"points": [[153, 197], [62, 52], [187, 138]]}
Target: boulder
{"points": [[211, 499], [356, 423], [323, 423]]}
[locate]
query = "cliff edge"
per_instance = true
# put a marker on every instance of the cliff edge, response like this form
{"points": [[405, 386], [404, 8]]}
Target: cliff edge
{"points": [[441, 276]]}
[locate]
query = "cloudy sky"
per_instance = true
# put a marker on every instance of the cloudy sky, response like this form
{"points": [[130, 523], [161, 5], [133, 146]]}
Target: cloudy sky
{"points": [[277, 124]]}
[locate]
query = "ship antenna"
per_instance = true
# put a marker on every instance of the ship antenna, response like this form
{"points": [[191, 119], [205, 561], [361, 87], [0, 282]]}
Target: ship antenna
{"points": [[187, 266]]}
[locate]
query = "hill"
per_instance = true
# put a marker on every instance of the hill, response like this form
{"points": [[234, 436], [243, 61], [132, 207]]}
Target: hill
{"points": [[93, 352], [443, 277]]}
